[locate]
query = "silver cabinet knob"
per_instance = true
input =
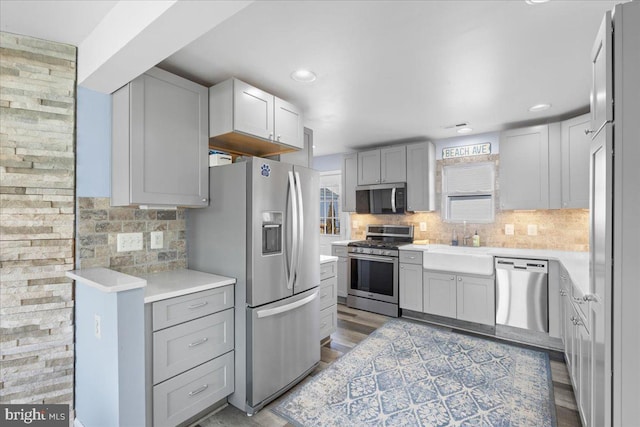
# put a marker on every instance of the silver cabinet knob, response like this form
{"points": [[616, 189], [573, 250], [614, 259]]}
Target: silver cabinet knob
{"points": [[452, 278], [204, 200], [271, 136], [588, 131], [589, 297], [278, 137], [459, 279]]}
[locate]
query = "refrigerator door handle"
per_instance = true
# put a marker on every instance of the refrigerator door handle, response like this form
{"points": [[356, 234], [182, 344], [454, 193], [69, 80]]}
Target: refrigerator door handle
{"points": [[300, 223], [277, 310], [294, 229], [393, 200]]}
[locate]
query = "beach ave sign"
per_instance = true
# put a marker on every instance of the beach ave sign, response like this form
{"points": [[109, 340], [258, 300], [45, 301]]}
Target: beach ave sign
{"points": [[466, 150]]}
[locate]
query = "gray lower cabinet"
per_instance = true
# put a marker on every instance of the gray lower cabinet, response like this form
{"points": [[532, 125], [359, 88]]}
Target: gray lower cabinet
{"points": [[524, 168], [328, 298], [476, 300], [462, 297], [343, 269], [159, 142], [421, 169], [190, 357], [439, 296], [410, 281]]}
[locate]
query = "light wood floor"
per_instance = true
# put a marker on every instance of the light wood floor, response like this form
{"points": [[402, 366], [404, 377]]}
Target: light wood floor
{"points": [[353, 327]]}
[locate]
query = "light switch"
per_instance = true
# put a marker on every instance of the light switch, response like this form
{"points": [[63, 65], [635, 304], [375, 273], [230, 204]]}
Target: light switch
{"points": [[157, 240], [532, 230], [423, 226], [355, 223], [509, 229]]}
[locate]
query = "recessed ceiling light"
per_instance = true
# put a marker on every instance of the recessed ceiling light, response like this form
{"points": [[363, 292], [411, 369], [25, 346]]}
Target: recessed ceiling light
{"points": [[465, 130], [304, 76], [535, 1], [539, 107]]}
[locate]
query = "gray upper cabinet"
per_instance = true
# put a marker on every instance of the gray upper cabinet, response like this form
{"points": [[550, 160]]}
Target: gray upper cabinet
{"points": [[393, 164], [524, 168], [240, 113], [575, 162], [349, 182], [421, 167], [253, 110], [288, 127], [159, 142], [382, 166], [601, 69], [302, 157], [369, 167]]}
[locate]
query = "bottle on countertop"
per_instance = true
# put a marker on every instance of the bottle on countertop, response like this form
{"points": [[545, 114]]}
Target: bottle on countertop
{"points": [[454, 238], [476, 240]]}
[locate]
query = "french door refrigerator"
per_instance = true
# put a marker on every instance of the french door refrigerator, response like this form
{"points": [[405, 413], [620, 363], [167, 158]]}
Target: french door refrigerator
{"points": [[261, 227]]}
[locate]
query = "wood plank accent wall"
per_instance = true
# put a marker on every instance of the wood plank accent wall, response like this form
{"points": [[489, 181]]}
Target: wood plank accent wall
{"points": [[37, 210]]}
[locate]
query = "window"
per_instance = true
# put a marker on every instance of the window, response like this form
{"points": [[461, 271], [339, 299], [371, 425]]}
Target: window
{"points": [[329, 205], [468, 192]]}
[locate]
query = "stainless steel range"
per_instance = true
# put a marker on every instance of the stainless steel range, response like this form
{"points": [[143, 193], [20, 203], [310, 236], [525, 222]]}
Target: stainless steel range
{"points": [[373, 268]]}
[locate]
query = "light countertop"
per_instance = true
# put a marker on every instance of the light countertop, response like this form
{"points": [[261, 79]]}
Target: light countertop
{"points": [[170, 284], [327, 258], [342, 242], [106, 280]]}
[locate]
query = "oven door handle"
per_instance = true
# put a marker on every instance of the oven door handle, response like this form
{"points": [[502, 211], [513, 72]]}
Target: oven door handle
{"points": [[373, 258]]}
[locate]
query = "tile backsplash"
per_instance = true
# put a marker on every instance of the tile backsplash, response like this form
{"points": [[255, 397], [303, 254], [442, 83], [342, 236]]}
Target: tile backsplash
{"points": [[99, 225], [561, 229]]}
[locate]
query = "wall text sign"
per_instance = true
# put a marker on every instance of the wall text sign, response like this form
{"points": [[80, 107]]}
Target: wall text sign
{"points": [[467, 150]]}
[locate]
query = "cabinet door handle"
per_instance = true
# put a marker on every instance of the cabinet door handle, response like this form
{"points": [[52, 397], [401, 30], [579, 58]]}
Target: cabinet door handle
{"points": [[271, 136], [200, 304], [278, 137], [200, 341], [204, 200], [589, 297], [199, 390], [459, 279], [452, 278]]}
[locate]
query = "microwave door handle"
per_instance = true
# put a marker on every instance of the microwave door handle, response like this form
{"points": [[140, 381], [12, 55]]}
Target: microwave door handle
{"points": [[393, 200], [294, 230], [300, 224]]}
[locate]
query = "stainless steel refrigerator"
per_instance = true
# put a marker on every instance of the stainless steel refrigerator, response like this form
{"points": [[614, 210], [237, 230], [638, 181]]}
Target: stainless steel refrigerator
{"points": [[261, 227]]}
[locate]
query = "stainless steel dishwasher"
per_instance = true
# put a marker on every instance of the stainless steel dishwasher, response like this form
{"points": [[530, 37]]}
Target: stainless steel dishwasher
{"points": [[522, 293]]}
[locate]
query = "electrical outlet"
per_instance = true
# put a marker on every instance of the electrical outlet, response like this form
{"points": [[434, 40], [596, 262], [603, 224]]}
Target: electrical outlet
{"points": [[355, 224], [532, 230], [129, 242], [509, 229], [97, 326], [423, 226], [157, 240]]}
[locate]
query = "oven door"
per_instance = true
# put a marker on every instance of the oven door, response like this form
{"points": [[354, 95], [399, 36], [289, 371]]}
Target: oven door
{"points": [[374, 277]]}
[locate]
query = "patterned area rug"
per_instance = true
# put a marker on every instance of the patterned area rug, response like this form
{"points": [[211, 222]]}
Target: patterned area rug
{"points": [[409, 374]]}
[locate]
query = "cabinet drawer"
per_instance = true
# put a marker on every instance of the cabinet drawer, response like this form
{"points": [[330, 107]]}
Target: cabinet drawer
{"points": [[328, 321], [328, 269], [411, 257], [184, 346], [182, 309], [339, 251], [328, 290], [182, 397]]}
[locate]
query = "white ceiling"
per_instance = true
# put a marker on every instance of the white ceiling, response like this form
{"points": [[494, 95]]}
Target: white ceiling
{"points": [[388, 71]]}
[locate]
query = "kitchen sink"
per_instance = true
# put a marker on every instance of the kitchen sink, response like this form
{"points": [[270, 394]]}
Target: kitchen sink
{"points": [[459, 260]]}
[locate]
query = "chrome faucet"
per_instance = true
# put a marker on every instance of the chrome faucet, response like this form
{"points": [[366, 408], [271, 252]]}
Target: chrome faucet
{"points": [[465, 236]]}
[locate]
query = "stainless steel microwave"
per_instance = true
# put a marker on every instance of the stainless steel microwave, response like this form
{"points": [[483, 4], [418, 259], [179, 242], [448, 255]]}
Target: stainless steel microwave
{"points": [[381, 199]]}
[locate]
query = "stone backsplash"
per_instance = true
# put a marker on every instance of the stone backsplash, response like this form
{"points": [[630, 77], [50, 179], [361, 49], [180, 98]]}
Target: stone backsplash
{"points": [[561, 229], [99, 225]]}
